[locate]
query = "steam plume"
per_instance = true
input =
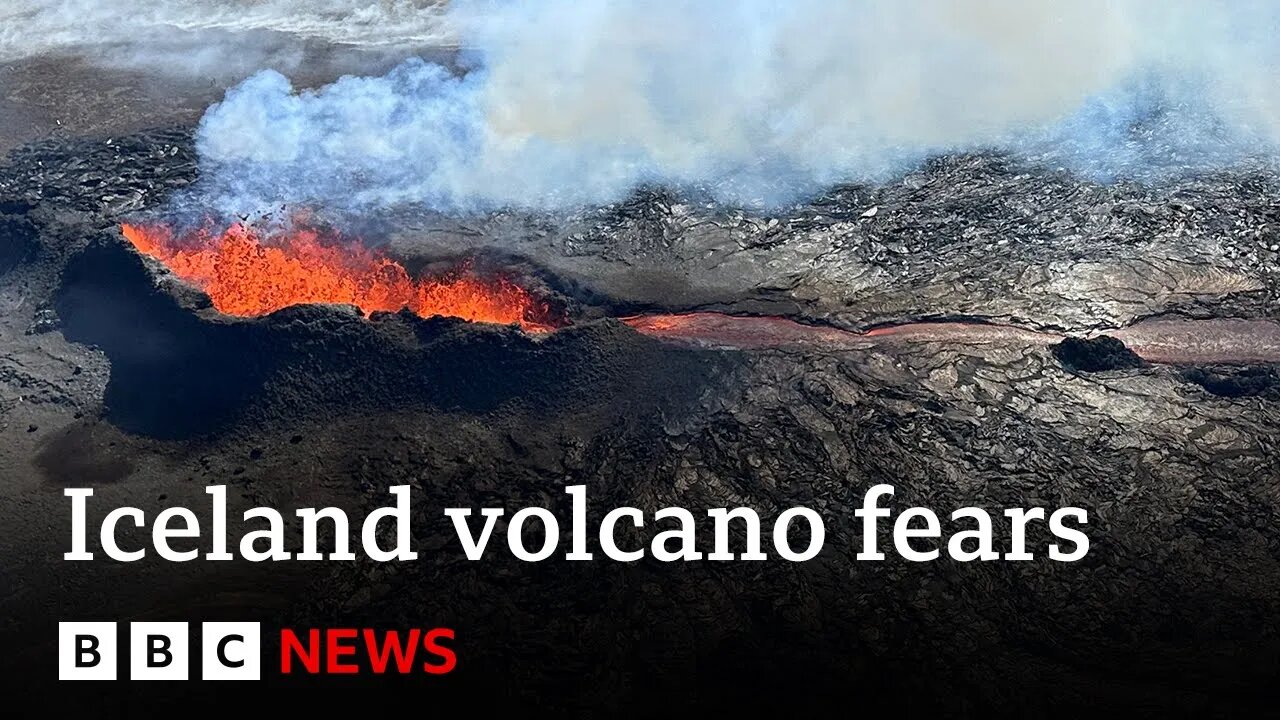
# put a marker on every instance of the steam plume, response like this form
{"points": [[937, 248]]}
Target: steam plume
{"points": [[757, 101]]}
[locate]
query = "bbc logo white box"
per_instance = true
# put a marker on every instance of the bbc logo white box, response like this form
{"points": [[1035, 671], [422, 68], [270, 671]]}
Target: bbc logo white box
{"points": [[231, 650], [86, 651], [158, 651]]}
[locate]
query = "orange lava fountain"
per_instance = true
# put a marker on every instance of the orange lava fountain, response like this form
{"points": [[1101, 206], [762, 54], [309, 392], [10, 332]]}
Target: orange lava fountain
{"points": [[249, 274]]}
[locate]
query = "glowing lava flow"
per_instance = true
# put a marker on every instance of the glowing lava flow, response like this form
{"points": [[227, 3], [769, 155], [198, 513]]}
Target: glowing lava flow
{"points": [[1168, 341], [249, 275], [749, 332]]}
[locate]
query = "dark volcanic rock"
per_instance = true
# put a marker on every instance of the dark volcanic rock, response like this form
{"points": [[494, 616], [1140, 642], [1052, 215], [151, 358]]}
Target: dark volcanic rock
{"points": [[1237, 382], [111, 176], [1096, 354], [1165, 597], [18, 237]]}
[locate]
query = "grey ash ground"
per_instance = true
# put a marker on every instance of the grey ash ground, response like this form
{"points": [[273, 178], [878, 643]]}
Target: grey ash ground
{"points": [[113, 374]]}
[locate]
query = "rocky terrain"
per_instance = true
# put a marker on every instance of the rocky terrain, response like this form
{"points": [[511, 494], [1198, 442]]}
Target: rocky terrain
{"points": [[115, 374]]}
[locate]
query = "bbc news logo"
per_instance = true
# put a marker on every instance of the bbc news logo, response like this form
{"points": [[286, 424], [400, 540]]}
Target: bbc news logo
{"points": [[233, 651], [159, 651]]}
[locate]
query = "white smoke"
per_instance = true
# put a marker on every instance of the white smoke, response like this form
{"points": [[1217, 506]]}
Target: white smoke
{"points": [[757, 101]]}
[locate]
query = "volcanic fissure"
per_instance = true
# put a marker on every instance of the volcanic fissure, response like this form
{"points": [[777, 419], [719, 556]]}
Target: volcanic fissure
{"points": [[249, 273]]}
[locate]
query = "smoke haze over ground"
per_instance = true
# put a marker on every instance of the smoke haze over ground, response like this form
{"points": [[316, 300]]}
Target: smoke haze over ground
{"points": [[200, 37], [756, 102]]}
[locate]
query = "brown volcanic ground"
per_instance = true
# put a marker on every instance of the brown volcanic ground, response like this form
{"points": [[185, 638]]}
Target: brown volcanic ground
{"points": [[112, 374]]}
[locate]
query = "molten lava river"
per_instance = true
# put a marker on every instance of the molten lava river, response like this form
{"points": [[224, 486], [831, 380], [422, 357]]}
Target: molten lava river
{"points": [[249, 274]]}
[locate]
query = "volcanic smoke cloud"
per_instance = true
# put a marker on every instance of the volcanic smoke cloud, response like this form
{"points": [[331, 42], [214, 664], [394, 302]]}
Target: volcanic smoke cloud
{"points": [[758, 102]]}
